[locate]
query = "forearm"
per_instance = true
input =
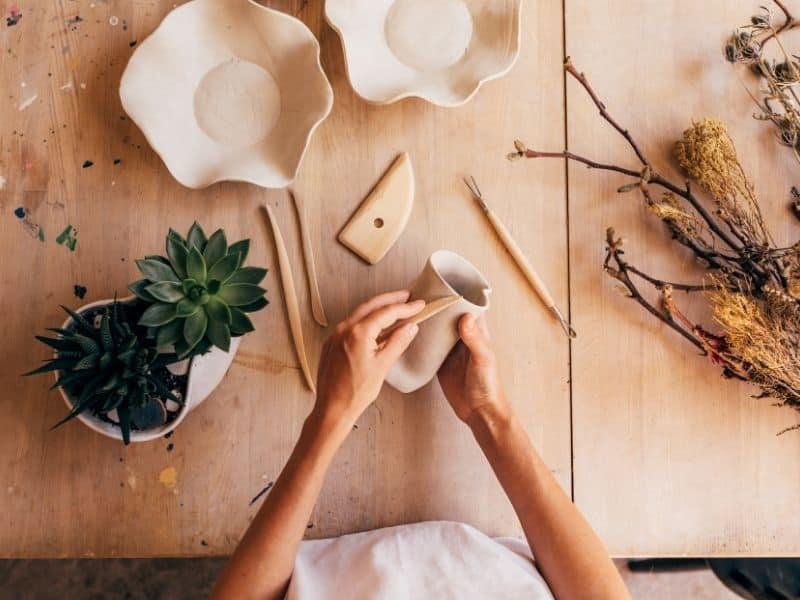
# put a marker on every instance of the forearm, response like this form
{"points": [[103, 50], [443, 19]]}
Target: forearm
{"points": [[568, 553], [263, 562]]}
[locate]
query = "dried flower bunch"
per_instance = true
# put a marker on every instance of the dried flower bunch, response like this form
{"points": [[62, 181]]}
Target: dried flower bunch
{"points": [[778, 101], [751, 286]]}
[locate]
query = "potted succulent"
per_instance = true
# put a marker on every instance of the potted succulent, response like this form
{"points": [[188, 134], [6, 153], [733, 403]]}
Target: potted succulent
{"points": [[133, 369]]}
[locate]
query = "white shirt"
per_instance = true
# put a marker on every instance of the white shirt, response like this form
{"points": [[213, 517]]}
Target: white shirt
{"points": [[438, 560]]}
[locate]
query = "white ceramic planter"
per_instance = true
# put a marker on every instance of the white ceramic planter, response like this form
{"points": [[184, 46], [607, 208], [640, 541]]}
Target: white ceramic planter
{"points": [[439, 50], [206, 372]]}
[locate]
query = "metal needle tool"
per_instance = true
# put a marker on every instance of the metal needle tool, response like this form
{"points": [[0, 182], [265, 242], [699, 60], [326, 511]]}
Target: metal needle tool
{"points": [[522, 262]]}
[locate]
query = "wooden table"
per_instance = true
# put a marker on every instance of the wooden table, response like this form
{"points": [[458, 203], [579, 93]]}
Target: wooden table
{"points": [[663, 456]]}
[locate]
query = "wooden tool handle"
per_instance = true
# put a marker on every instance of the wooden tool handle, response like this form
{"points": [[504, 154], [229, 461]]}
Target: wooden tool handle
{"points": [[290, 297], [527, 269], [431, 309], [317, 308]]}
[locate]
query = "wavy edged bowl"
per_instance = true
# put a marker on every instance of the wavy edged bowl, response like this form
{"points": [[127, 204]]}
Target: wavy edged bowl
{"points": [[439, 50], [228, 90]]}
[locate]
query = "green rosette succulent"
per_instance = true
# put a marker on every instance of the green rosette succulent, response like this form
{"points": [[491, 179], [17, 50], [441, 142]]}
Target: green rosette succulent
{"points": [[199, 294], [107, 367]]}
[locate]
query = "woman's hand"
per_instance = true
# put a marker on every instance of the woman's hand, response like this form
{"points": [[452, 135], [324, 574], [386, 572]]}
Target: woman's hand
{"points": [[469, 375], [354, 363]]}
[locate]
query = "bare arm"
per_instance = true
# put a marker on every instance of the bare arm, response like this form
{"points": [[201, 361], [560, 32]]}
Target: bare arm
{"points": [[568, 553], [352, 369]]}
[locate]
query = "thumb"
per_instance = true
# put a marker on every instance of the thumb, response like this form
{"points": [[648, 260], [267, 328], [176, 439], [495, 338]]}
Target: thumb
{"points": [[398, 342], [475, 337]]}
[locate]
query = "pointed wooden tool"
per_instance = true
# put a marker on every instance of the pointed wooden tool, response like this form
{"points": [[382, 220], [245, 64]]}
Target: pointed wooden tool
{"points": [[317, 309], [290, 298]]}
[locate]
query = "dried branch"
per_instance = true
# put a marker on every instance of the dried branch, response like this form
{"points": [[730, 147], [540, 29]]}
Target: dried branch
{"points": [[752, 286]]}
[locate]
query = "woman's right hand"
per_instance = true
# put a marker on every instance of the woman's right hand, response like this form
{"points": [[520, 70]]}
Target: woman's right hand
{"points": [[469, 376]]}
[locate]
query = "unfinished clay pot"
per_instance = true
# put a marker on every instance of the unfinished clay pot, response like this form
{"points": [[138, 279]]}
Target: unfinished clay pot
{"points": [[446, 273], [441, 51], [228, 90]]}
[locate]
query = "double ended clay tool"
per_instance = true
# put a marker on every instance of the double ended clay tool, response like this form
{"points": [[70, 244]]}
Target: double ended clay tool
{"points": [[317, 309], [431, 310], [290, 298], [522, 262]]}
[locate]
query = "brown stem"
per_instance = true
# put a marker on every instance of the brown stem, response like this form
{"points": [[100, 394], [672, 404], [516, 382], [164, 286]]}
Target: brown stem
{"points": [[789, 23], [660, 284], [583, 160], [621, 275], [581, 78]]}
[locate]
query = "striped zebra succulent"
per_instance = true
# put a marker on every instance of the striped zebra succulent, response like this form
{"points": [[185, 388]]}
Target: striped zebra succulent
{"points": [[108, 367], [200, 293]]}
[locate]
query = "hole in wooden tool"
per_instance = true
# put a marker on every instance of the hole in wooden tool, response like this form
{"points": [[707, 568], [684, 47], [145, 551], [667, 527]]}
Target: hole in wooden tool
{"points": [[378, 223]]}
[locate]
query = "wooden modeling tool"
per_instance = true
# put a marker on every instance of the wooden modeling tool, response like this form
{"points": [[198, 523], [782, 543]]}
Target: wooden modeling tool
{"points": [[522, 262], [383, 215], [431, 310], [290, 297], [317, 309]]}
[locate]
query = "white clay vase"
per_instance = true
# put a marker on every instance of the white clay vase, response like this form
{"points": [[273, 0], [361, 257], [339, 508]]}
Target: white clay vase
{"points": [[445, 274], [206, 372]]}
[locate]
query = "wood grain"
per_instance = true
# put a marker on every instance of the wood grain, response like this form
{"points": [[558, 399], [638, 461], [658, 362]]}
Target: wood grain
{"points": [[669, 458], [74, 493]]}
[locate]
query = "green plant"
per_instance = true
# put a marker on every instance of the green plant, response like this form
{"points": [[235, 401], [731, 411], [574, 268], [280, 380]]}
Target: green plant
{"points": [[200, 293], [109, 367]]}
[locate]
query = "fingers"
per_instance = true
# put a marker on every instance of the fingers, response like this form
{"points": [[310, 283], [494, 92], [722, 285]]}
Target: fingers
{"points": [[475, 335], [387, 316], [398, 342], [373, 304]]}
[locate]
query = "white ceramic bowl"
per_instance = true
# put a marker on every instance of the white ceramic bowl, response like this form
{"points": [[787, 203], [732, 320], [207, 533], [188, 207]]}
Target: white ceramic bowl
{"points": [[228, 90], [438, 50]]}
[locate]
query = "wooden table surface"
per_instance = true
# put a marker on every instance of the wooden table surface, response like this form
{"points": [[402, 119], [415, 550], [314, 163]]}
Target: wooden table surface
{"points": [[663, 456]]}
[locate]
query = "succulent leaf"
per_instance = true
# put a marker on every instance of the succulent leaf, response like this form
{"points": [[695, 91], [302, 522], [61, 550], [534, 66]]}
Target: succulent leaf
{"points": [[240, 294], [225, 268], [217, 310], [177, 253], [216, 247], [196, 266], [254, 275], [186, 308], [220, 334], [194, 328], [158, 314], [105, 332], [79, 320], [155, 270], [169, 334], [196, 238], [255, 306], [240, 322], [124, 414], [166, 291], [241, 247]]}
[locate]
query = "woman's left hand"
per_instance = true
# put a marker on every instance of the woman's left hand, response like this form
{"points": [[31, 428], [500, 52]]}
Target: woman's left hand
{"points": [[354, 362]]}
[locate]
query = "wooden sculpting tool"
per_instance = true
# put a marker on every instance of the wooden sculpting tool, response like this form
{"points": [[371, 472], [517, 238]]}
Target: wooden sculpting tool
{"points": [[290, 297], [383, 215], [522, 262], [431, 309], [317, 309]]}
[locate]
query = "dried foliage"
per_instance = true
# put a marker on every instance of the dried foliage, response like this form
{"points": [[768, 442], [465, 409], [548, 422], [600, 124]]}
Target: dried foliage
{"points": [[751, 286], [777, 100]]}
